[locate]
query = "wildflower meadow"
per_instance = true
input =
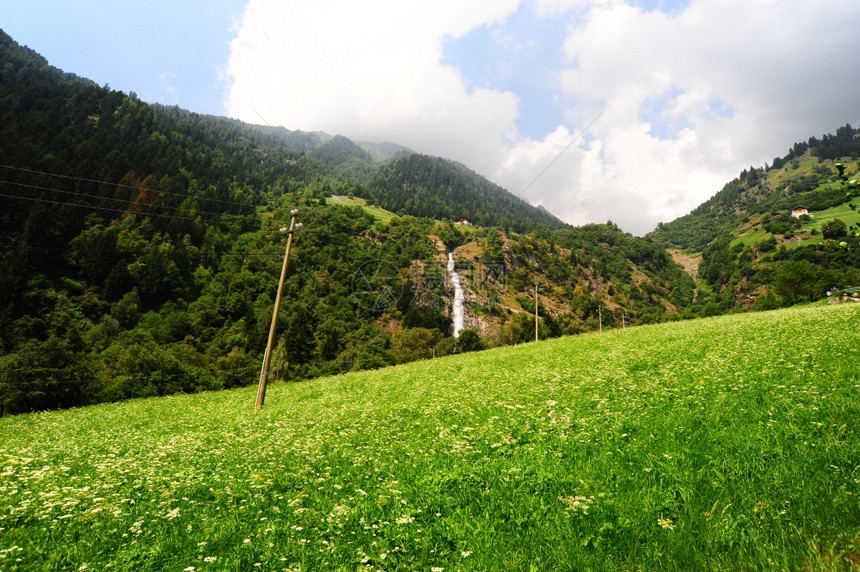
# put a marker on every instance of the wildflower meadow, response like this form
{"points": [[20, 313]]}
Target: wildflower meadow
{"points": [[721, 444]]}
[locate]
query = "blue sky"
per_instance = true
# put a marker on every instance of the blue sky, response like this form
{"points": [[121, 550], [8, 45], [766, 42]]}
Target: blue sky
{"points": [[522, 55], [687, 93], [508, 57], [167, 52]]}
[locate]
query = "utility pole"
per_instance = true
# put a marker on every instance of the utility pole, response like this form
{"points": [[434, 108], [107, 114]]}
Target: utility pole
{"points": [[267, 357], [600, 318], [536, 311]]}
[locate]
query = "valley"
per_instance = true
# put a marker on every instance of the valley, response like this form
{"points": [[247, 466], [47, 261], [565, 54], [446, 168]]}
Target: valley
{"points": [[142, 250]]}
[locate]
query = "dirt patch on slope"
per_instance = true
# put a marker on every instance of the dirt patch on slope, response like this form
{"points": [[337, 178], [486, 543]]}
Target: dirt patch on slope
{"points": [[689, 262]]}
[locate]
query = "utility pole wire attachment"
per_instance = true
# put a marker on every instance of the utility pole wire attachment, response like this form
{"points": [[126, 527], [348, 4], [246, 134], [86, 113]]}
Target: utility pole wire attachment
{"points": [[267, 357]]}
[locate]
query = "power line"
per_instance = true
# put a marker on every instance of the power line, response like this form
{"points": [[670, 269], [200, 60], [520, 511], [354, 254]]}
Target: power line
{"points": [[273, 255], [124, 186], [89, 196], [563, 151], [108, 209], [108, 183]]}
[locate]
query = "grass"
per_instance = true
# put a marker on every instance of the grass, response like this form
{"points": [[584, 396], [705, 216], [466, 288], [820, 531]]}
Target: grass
{"points": [[378, 213], [754, 237], [849, 216], [806, 165], [722, 444], [755, 234]]}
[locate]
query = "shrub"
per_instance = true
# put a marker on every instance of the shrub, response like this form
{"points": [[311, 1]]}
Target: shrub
{"points": [[470, 341], [835, 228]]}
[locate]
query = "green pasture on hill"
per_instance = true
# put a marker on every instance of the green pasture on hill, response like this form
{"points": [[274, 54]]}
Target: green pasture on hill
{"points": [[378, 213], [848, 215], [722, 444]]}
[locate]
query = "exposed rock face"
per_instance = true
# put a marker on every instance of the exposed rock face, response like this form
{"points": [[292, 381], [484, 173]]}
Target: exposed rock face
{"points": [[843, 299]]}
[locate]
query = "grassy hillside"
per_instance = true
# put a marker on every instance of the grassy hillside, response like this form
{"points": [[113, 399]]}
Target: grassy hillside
{"points": [[803, 232], [728, 443], [759, 196], [754, 253], [377, 213]]}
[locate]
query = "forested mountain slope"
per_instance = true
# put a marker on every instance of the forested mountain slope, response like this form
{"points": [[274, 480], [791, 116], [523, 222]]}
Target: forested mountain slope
{"points": [[780, 234], [141, 251], [141, 254], [437, 188], [806, 176]]}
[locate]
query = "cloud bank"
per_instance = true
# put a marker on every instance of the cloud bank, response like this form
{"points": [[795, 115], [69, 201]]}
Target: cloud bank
{"points": [[686, 97]]}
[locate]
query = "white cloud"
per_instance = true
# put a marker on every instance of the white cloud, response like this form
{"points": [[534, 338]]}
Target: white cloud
{"points": [[690, 98], [369, 70], [750, 79]]}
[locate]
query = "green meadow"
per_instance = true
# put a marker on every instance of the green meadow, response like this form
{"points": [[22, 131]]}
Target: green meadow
{"points": [[844, 212], [721, 444], [848, 215], [378, 213]]}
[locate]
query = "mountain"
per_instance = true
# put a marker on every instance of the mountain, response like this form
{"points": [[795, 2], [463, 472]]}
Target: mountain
{"points": [[141, 251], [381, 152], [439, 188], [780, 234], [543, 209], [806, 176], [338, 150]]}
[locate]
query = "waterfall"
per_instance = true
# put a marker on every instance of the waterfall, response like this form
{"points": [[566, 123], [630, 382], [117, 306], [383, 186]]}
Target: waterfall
{"points": [[459, 302]]}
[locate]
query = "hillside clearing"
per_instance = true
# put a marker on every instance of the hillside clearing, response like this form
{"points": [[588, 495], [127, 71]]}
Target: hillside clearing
{"points": [[378, 213], [809, 232], [844, 212], [721, 444]]}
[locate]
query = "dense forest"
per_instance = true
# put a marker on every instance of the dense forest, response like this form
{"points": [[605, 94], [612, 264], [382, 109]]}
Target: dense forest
{"points": [[427, 187], [141, 251]]}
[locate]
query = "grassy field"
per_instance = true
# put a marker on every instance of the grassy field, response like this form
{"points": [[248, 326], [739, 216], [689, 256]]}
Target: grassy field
{"points": [[722, 444], [751, 236], [848, 215], [378, 213]]}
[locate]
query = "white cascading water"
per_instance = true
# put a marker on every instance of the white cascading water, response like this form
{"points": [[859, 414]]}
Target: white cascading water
{"points": [[459, 301]]}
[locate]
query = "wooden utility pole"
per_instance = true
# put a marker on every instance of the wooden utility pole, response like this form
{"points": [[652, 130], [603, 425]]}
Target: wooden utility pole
{"points": [[536, 311], [267, 357], [600, 318]]}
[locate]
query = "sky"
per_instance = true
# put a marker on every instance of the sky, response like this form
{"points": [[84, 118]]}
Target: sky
{"points": [[634, 111]]}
